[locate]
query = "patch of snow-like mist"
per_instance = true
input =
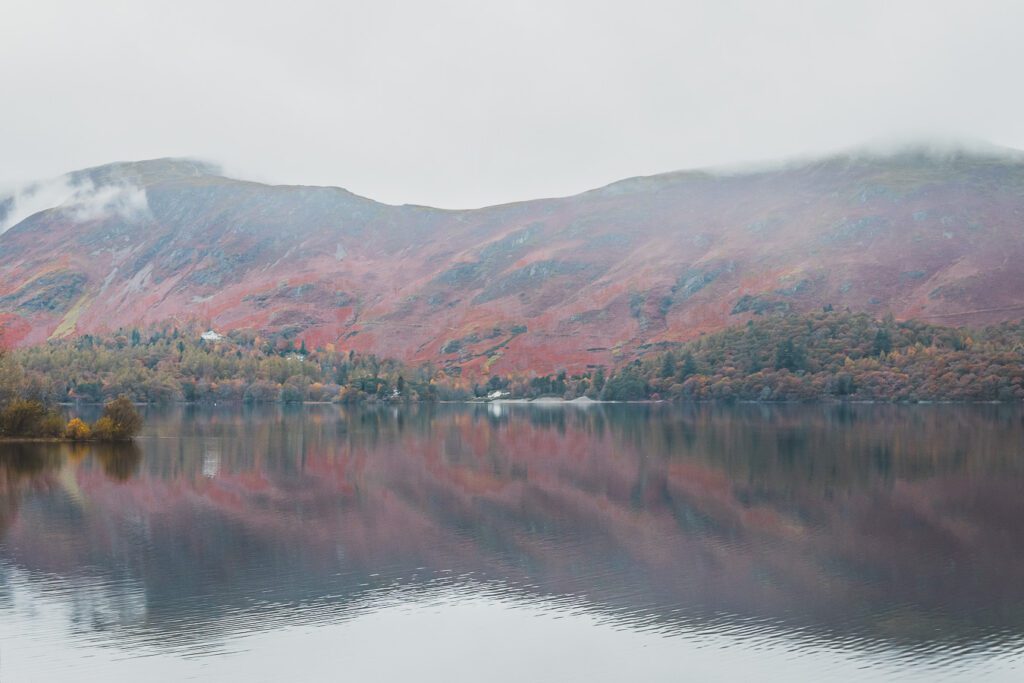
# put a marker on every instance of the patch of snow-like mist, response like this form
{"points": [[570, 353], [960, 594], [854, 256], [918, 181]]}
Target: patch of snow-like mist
{"points": [[81, 201]]}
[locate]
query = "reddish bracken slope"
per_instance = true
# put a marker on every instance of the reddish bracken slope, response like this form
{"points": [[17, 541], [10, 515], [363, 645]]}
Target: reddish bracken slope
{"points": [[546, 284]]}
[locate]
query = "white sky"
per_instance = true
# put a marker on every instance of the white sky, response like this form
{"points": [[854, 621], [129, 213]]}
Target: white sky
{"points": [[461, 104]]}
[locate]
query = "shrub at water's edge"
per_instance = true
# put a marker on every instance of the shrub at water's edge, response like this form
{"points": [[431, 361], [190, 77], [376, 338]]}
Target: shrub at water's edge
{"points": [[78, 430], [29, 419], [22, 417], [120, 420]]}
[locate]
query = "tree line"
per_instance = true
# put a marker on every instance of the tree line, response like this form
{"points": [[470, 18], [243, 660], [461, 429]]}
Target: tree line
{"points": [[830, 354], [776, 357]]}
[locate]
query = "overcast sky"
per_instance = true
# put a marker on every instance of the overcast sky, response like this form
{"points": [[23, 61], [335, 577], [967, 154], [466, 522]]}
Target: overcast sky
{"points": [[460, 104]]}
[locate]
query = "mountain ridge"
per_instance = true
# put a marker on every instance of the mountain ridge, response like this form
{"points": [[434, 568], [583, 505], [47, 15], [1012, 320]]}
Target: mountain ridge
{"points": [[563, 282]]}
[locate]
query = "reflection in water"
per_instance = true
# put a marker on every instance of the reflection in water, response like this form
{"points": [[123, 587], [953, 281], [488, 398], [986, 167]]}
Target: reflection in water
{"points": [[879, 531]]}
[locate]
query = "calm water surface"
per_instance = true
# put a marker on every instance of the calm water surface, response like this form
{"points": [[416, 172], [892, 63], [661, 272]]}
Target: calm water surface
{"points": [[521, 543]]}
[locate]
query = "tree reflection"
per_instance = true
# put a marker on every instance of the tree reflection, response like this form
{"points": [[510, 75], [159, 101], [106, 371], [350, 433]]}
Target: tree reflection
{"points": [[21, 467], [818, 519], [120, 460]]}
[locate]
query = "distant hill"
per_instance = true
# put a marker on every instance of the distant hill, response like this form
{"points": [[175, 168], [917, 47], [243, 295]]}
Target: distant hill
{"points": [[554, 283]]}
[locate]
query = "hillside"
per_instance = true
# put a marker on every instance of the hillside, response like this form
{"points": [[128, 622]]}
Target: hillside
{"points": [[592, 279]]}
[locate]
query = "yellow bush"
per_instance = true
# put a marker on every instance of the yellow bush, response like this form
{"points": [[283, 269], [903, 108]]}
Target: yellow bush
{"points": [[77, 430]]}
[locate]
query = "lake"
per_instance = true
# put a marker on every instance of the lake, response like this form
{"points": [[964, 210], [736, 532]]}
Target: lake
{"points": [[516, 542]]}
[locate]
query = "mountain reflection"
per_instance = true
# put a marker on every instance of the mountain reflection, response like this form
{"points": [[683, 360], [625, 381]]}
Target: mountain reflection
{"points": [[865, 526]]}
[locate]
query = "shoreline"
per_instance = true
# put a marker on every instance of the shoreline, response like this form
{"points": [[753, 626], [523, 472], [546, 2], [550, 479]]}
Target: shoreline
{"points": [[571, 402], [56, 439]]}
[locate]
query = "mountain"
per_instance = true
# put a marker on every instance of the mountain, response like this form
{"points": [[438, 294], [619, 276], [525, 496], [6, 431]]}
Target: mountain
{"points": [[553, 283]]}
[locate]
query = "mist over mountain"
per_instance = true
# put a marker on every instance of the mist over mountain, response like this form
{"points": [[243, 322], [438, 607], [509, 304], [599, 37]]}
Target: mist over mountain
{"points": [[591, 279]]}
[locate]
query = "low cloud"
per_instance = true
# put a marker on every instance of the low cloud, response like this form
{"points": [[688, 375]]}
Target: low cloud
{"points": [[91, 203], [80, 201], [31, 199]]}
